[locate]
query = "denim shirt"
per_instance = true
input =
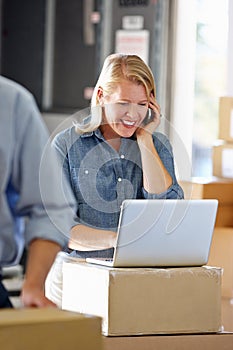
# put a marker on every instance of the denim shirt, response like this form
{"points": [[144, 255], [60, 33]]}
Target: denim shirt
{"points": [[101, 177]]}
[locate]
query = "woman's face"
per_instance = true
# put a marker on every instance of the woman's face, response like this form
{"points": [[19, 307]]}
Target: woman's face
{"points": [[124, 110]]}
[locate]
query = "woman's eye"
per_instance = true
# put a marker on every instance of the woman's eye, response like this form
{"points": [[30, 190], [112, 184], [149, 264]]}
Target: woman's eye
{"points": [[123, 103]]}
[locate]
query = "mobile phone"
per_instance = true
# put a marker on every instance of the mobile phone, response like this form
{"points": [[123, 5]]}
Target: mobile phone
{"points": [[149, 117]]}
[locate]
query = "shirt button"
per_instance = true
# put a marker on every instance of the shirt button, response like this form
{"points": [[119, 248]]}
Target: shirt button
{"points": [[86, 171], [119, 179], [122, 156]]}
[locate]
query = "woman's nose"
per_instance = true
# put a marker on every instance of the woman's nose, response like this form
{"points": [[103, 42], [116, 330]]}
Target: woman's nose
{"points": [[132, 110]]}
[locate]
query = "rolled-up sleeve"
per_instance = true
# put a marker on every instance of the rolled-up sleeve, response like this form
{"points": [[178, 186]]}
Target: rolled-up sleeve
{"points": [[165, 152]]}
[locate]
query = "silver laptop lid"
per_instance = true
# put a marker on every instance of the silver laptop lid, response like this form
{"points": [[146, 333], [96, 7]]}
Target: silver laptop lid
{"points": [[165, 232]]}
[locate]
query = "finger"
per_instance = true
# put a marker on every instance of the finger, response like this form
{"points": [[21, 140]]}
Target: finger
{"points": [[156, 111], [154, 105]]}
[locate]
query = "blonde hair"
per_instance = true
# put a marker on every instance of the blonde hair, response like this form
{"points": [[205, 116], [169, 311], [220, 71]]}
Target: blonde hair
{"points": [[117, 67]]}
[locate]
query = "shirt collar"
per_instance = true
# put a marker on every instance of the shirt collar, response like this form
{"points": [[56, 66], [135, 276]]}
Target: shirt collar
{"points": [[96, 132], [100, 136]]}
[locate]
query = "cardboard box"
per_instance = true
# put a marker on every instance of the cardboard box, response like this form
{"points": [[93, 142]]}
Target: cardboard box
{"points": [[221, 254], [137, 301], [223, 160], [209, 188], [48, 328], [226, 118], [221, 341], [213, 188], [227, 314], [224, 216]]}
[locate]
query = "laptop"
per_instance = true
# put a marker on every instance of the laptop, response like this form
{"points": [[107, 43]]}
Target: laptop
{"points": [[163, 233]]}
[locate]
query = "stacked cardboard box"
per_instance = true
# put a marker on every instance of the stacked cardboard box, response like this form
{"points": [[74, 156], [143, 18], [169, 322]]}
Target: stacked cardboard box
{"points": [[227, 315], [223, 152], [148, 308], [145, 301], [48, 328], [221, 254], [222, 245], [213, 188]]}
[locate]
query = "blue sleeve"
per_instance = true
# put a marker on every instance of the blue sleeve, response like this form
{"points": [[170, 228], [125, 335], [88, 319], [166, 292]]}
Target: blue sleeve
{"points": [[61, 144], [48, 206], [165, 153], [61, 147]]}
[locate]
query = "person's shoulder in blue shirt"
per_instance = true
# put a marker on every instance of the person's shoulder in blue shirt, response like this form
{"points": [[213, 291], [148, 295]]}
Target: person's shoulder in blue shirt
{"points": [[30, 188]]}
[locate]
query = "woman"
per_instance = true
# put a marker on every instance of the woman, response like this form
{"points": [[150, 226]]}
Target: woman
{"points": [[116, 154]]}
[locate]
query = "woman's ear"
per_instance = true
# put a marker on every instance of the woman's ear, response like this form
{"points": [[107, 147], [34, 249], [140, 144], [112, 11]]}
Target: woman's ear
{"points": [[100, 94]]}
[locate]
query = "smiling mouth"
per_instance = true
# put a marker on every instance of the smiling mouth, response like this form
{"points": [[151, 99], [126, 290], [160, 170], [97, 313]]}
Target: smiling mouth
{"points": [[128, 123]]}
